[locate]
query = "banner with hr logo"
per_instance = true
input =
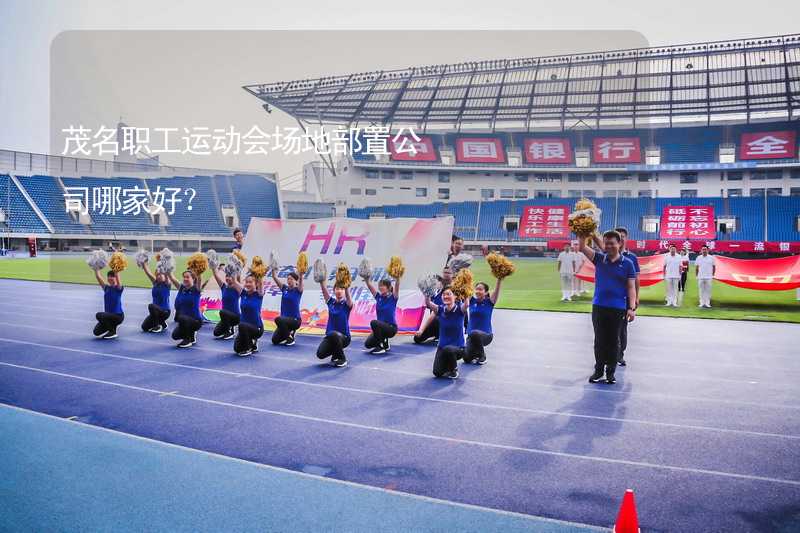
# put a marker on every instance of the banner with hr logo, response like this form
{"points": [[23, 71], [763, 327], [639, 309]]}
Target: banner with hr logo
{"points": [[422, 244]]}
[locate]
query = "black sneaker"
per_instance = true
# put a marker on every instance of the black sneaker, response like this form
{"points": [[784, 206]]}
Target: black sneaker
{"points": [[453, 374], [255, 347], [611, 379], [481, 360], [186, 343], [386, 345], [110, 335], [339, 362], [228, 336], [244, 353], [378, 350], [622, 362], [289, 342], [597, 377]]}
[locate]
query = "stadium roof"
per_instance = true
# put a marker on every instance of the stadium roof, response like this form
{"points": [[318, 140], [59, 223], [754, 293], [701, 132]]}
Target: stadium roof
{"points": [[715, 82]]}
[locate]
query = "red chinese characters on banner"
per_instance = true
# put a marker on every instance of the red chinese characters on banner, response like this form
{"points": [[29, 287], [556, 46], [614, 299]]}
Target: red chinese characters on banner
{"points": [[409, 148], [540, 221], [480, 150], [768, 145], [548, 151], [688, 222], [616, 150]]}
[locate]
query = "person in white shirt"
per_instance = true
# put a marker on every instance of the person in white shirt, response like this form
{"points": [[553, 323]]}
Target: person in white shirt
{"points": [[578, 287], [672, 275], [704, 270], [566, 269]]}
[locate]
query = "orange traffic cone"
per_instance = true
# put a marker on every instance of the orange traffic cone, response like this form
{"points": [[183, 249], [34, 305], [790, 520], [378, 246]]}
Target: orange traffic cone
{"points": [[627, 521]]}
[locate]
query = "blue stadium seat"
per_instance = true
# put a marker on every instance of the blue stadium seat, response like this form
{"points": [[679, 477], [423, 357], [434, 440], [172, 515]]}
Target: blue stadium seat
{"points": [[48, 194], [20, 217]]}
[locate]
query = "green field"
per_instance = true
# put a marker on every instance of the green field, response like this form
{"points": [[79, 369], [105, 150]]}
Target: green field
{"points": [[534, 286]]}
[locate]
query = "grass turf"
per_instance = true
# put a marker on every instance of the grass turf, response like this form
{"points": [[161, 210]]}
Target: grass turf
{"points": [[534, 286]]}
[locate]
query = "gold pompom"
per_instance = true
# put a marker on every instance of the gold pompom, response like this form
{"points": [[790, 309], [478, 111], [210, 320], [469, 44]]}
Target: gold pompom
{"points": [[257, 267], [240, 256], [343, 276], [396, 268], [462, 285], [197, 264], [501, 266], [583, 225], [302, 263], [118, 262]]}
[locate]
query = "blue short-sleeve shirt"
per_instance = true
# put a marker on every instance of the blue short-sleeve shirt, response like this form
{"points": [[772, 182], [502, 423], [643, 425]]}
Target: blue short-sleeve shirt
{"points": [[451, 326], [290, 302], [480, 315], [611, 280], [338, 317], [112, 299]]}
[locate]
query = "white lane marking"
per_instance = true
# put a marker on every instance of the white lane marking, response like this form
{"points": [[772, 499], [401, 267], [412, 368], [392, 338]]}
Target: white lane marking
{"points": [[409, 396], [311, 476], [427, 436], [594, 390]]}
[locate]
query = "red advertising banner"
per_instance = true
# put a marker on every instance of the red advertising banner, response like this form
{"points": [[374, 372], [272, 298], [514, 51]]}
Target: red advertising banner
{"points": [[616, 150], [778, 274], [544, 221], [480, 150], [688, 222], [548, 151], [408, 148], [768, 145], [651, 270]]}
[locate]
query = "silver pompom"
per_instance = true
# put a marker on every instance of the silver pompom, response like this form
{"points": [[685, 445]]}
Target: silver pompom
{"points": [[213, 259], [233, 267], [320, 271], [142, 257], [273, 261], [365, 269], [166, 261], [429, 285], [459, 262], [97, 260]]}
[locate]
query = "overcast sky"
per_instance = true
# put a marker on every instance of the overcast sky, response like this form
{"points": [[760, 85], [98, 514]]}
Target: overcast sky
{"points": [[163, 78]]}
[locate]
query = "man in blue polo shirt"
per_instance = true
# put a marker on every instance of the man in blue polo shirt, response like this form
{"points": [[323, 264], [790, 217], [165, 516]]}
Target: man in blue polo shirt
{"points": [[613, 303]]}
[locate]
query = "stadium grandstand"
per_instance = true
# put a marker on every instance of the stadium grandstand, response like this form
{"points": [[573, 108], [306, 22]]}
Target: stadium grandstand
{"points": [[637, 130], [35, 193]]}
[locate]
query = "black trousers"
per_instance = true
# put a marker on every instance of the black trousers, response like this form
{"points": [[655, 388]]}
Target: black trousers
{"points": [[333, 345], [431, 331], [248, 334], [186, 327], [623, 339], [446, 359], [285, 326], [227, 321], [607, 323], [682, 281], [156, 316], [107, 322], [381, 331], [476, 340]]}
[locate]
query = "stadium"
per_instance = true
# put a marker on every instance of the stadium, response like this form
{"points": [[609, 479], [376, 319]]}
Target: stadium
{"points": [[702, 425]]}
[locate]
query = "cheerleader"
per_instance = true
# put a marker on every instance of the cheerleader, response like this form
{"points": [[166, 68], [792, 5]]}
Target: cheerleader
{"points": [[251, 327], [430, 327], [287, 324], [450, 315], [385, 326], [112, 316], [187, 309], [159, 309], [229, 315], [337, 333], [479, 325]]}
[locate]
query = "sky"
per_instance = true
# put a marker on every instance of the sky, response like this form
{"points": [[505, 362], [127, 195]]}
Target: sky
{"points": [[185, 63]]}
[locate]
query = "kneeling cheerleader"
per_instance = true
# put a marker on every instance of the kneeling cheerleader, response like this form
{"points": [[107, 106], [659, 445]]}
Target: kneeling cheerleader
{"points": [[450, 315], [384, 327], [481, 305], [229, 315], [337, 332], [158, 310], [188, 319], [287, 324], [251, 327], [109, 319]]}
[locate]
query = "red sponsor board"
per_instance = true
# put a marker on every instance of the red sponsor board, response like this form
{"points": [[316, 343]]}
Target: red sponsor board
{"points": [[768, 145], [777, 274], [540, 221], [688, 222], [616, 150], [548, 151], [651, 270], [480, 150], [409, 148]]}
